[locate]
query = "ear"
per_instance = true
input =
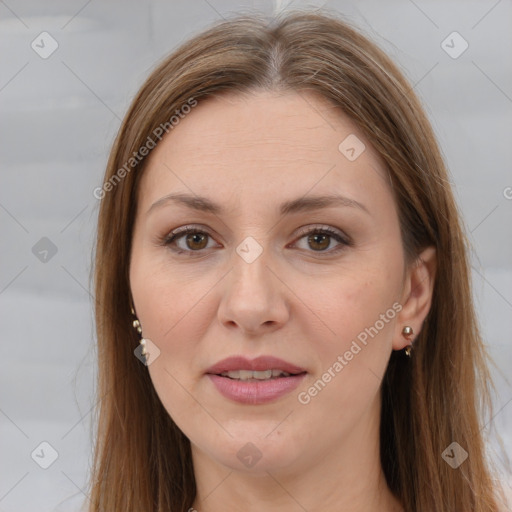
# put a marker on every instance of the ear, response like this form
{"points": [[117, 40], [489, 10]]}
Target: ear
{"points": [[416, 297]]}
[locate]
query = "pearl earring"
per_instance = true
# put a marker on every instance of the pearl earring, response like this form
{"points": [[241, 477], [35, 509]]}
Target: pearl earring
{"points": [[138, 328], [408, 331]]}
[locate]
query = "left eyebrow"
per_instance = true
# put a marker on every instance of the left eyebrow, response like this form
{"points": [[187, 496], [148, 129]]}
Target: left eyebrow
{"points": [[300, 204], [318, 202]]}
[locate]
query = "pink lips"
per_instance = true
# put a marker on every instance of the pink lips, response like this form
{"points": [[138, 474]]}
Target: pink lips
{"points": [[251, 392], [259, 364]]}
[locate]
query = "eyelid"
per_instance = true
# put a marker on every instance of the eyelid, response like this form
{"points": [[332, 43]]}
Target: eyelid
{"points": [[187, 228], [324, 228]]}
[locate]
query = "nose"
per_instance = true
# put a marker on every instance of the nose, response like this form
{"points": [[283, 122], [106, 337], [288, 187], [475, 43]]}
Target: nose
{"points": [[254, 299]]}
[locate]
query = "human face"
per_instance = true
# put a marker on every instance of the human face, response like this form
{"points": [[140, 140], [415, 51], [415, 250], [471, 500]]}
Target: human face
{"points": [[305, 299]]}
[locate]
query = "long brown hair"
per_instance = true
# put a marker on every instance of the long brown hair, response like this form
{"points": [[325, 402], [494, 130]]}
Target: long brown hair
{"points": [[142, 460]]}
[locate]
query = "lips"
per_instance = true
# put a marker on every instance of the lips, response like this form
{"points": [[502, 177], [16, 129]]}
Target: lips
{"points": [[233, 378], [261, 363]]}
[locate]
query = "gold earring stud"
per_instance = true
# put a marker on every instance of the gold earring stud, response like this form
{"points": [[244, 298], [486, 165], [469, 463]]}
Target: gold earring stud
{"points": [[408, 331]]}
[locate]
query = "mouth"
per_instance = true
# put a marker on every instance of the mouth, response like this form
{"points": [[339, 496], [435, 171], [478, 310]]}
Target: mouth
{"points": [[257, 381]]}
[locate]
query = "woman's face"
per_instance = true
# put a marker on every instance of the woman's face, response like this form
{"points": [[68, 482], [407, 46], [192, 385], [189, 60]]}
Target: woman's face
{"points": [[254, 282]]}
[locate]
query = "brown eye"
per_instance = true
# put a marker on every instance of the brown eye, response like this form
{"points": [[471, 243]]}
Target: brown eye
{"points": [[320, 239], [196, 240], [187, 240]]}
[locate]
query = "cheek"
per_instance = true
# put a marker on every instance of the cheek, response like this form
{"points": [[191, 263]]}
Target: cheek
{"points": [[342, 307], [353, 342], [166, 297], [174, 309], [351, 363]]}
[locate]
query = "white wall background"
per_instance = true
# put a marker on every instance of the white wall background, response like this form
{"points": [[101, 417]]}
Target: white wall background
{"points": [[58, 117]]}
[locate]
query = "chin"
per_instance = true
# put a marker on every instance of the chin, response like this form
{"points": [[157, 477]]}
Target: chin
{"points": [[256, 453]]}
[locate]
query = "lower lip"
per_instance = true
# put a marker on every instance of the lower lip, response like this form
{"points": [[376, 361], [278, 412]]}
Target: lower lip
{"points": [[255, 393]]}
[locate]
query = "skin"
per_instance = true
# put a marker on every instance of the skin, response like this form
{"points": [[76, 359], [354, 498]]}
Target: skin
{"points": [[300, 300]]}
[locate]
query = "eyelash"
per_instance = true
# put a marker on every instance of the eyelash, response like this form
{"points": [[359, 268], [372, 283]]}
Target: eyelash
{"points": [[175, 235]]}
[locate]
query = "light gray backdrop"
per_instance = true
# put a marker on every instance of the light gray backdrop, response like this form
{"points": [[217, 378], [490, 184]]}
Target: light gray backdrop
{"points": [[69, 70]]}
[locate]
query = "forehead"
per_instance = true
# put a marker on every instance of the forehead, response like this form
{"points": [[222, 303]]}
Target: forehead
{"points": [[265, 144]]}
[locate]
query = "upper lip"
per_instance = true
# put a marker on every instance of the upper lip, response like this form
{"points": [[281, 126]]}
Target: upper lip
{"points": [[260, 363]]}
